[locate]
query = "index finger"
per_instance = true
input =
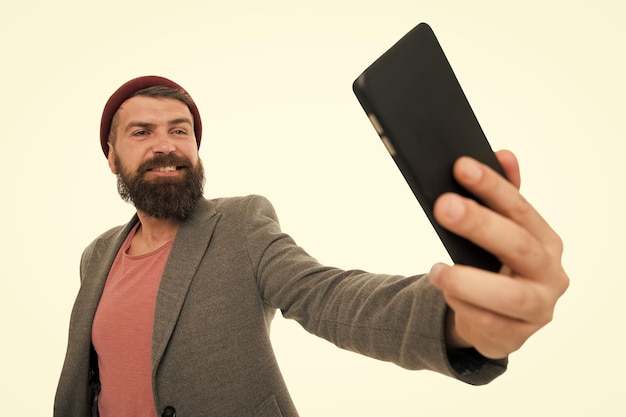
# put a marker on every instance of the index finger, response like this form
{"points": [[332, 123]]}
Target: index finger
{"points": [[504, 198]]}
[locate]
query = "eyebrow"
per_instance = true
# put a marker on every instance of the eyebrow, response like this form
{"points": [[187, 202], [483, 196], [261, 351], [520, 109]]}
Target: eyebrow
{"points": [[180, 120], [147, 125]]}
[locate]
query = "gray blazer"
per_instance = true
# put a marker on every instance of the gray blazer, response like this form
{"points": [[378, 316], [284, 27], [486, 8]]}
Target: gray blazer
{"points": [[229, 270]]}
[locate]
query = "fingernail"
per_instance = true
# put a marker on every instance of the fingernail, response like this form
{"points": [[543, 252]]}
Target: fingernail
{"points": [[470, 169], [435, 272], [454, 208]]}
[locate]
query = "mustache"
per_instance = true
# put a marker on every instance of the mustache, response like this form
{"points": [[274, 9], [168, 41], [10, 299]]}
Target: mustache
{"points": [[160, 161], [162, 199]]}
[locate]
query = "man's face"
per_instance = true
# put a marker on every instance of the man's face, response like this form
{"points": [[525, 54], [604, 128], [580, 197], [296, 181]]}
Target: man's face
{"points": [[155, 157]]}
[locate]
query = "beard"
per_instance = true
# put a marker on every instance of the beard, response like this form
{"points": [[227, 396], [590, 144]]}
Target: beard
{"points": [[163, 197]]}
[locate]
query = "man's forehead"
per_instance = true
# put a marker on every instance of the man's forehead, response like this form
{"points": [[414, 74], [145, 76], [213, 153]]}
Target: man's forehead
{"points": [[148, 112], [144, 103]]}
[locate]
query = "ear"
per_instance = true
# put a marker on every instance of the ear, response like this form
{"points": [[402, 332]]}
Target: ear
{"points": [[111, 159]]}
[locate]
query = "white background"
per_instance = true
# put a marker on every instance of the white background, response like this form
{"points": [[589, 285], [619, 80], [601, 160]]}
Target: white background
{"points": [[273, 82]]}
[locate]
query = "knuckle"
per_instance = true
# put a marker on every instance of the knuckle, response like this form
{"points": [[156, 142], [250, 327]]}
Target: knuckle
{"points": [[527, 246], [546, 317], [521, 208], [557, 244], [565, 282], [544, 310], [518, 301]]}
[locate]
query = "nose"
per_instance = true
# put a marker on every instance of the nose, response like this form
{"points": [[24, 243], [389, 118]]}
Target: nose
{"points": [[163, 144]]}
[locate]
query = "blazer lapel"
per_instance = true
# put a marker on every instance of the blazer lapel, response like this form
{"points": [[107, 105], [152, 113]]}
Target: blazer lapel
{"points": [[95, 272], [190, 244]]}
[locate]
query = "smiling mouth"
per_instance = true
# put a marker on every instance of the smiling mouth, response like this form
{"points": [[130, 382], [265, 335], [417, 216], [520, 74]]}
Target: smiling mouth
{"points": [[170, 168], [166, 169]]}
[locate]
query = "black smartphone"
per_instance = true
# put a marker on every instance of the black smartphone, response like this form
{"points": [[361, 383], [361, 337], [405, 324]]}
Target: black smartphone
{"points": [[420, 112]]}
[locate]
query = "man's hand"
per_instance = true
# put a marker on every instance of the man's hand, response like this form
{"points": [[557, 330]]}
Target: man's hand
{"points": [[497, 312]]}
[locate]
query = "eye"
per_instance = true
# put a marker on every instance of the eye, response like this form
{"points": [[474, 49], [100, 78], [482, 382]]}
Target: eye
{"points": [[179, 132], [141, 133]]}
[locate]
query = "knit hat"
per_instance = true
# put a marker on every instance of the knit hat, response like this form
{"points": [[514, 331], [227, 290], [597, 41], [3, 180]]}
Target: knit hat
{"points": [[126, 91]]}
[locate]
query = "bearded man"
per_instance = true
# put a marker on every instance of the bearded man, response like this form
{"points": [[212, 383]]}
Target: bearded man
{"points": [[173, 313]]}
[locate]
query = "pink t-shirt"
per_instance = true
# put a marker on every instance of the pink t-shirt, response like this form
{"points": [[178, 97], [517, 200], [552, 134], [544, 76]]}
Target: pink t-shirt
{"points": [[122, 332]]}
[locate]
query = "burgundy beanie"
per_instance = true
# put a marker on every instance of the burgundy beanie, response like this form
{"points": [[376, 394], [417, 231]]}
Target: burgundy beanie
{"points": [[126, 91]]}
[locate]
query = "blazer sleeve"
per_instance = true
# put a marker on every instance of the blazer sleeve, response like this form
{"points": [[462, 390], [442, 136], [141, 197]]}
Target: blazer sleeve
{"points": [[388, 317]]}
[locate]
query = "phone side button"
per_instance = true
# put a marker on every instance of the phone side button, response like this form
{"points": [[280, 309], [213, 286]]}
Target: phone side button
{"points": [[376, 124], [388, 145]]}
